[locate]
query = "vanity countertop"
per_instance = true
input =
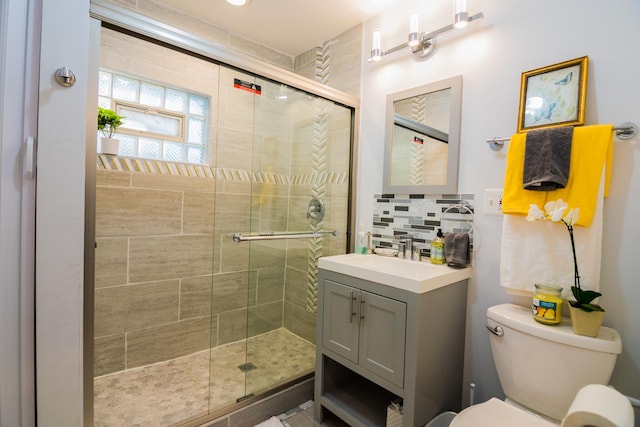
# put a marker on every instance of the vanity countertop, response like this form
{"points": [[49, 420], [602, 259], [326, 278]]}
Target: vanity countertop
{"points": [[412, 276]]}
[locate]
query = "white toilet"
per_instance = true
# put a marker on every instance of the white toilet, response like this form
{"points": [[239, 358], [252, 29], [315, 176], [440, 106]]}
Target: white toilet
{"points": [[541, 369]]}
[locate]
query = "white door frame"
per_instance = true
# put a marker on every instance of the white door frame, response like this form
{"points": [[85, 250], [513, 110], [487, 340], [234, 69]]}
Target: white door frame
{"points": [[19, 55], [66, 126]]}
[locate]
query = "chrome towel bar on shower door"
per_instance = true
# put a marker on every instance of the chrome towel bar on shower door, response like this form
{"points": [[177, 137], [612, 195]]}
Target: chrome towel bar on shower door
{"points": [[239, 237]]}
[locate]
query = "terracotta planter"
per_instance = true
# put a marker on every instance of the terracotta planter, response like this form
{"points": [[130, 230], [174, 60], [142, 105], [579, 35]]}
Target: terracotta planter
{"points": [[109, 146], [585, 322]]}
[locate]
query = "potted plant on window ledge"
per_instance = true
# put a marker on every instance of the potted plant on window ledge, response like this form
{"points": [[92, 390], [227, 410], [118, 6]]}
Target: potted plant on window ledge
{"points": [[108, 122], [586, 317]]}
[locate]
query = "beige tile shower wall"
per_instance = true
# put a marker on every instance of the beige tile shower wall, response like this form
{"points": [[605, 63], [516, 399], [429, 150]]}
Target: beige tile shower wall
{"points": [[154, 232], [336, 63], [211, 33], [154, 277], [159, 294]]}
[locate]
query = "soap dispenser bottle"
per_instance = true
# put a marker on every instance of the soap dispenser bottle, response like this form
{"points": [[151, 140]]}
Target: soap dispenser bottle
{"points": [[437, 248]]}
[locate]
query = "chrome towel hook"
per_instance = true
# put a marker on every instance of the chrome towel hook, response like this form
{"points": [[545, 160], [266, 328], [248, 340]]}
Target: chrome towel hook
{"points": [[65, 77]]}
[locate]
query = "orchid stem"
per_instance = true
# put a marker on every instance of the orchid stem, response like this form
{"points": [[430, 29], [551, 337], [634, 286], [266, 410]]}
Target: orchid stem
{"points": [[575, 260]]}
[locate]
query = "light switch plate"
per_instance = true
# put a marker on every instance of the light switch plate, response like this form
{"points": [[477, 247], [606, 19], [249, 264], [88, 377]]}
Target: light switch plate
{"points": [[492, 201]]}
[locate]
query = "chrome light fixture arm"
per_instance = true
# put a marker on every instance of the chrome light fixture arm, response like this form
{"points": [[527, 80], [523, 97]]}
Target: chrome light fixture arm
{"points": [[426, 41]]}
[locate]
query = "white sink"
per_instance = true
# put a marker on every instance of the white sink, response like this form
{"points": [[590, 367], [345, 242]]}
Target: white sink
{"points": [[413, 276]]}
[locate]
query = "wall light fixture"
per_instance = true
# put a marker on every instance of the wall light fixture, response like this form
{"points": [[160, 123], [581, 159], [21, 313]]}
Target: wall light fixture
{"points": [[422, 44]]}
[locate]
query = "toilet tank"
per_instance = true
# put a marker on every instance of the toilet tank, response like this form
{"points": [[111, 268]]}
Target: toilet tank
{"points": [[543, 367]]}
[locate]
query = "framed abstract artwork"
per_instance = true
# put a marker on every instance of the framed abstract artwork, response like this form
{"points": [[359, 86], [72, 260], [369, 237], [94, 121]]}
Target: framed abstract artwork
{"points": [[554, 95]]}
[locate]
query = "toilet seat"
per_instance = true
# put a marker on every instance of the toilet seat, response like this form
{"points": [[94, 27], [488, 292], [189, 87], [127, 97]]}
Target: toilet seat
{"points": [[496, 413]]}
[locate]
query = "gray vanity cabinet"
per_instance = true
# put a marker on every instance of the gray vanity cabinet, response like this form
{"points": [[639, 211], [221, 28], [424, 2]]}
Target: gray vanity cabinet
{"points": [[377, 344], [366, 329]]}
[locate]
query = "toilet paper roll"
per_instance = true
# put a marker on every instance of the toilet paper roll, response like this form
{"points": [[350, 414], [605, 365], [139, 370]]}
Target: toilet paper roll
{"points": [[599, 406]]}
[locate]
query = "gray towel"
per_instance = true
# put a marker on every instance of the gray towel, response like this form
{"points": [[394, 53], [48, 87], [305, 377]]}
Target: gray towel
{"points": [[547, 157], [456, 249]]}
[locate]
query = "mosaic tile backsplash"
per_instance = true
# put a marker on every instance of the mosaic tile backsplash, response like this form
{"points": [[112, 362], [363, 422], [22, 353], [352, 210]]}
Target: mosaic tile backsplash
{"points": [[419, 216]]}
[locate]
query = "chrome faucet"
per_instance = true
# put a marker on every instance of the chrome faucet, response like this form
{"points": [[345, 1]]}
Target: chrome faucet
{"points": [[406, 247]]}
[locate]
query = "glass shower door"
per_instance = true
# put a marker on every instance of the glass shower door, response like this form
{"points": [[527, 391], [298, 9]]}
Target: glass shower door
{"points": [[301, 156], [282, 167]]}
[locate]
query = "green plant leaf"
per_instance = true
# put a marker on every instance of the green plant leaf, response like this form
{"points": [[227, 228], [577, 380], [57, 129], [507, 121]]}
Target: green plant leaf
{"points": [[591, 307], [108, 121], [584, 298], [576, 293], [587, 296]]}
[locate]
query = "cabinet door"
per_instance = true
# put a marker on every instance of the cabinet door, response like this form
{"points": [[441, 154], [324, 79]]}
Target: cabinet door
{"points": [[382, 336], [339, 321]]}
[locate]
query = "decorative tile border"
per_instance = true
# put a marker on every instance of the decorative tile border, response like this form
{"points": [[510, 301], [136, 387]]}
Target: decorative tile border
{"points": [[417, 163], [397, 216], [132, 164], [319, 163]]}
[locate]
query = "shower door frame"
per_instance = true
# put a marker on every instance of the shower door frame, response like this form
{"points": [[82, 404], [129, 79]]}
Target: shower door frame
{"points": [[128, 20]]}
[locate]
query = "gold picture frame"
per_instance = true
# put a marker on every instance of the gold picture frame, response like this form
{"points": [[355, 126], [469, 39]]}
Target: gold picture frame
{"points": [[554, 95]]}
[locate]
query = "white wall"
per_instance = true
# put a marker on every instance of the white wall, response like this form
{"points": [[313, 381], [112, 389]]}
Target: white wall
{"points": [[514, 37]]}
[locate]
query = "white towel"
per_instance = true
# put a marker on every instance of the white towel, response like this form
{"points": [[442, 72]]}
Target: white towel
{"points": [[540, 252]]}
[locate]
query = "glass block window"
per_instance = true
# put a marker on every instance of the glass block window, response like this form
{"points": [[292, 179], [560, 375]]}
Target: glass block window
{"points": [[161, 122]]}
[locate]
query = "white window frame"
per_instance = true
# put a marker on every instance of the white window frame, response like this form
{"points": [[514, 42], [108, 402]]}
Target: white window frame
{"points": [[181, 118]]}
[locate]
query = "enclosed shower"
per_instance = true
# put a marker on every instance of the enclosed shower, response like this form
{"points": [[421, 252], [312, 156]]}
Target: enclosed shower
{"points": [[208, 235]]}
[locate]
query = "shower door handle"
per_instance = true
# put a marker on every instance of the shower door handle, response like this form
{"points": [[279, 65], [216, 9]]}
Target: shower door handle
{"points": [[239, 237], [30, 158]]}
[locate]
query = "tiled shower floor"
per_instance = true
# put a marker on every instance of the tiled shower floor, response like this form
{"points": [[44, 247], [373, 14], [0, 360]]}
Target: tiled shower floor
{"points": [[169, 392]]}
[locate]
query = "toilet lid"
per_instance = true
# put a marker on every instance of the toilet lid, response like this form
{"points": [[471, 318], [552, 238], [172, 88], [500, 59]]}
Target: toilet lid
{"points": [[496, 413]]}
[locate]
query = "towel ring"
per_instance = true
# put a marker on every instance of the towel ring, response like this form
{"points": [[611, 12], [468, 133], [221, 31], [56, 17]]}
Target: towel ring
{"points": [[459, 207]]}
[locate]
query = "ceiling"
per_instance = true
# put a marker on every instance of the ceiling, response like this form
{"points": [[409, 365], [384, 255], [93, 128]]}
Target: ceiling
{"points": [[289, 26]]}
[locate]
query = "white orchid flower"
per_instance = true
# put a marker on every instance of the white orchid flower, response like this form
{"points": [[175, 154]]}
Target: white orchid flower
{"points": [[555, 209], [553, 212], [535, 213], [571, 217]]}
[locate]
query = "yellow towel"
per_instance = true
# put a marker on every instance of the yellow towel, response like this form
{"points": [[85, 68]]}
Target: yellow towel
{"points": [[591, 150]]}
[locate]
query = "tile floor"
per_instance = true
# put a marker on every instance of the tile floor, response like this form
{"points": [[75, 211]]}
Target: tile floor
{"points": [[304, 418], [169, 392]]}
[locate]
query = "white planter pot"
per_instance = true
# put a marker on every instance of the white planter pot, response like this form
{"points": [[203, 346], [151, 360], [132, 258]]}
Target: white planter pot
{"points": [[109, 146]]}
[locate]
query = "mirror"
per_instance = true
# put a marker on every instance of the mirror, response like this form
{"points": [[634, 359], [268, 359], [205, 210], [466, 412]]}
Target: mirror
{"points": [[422, 139]]}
